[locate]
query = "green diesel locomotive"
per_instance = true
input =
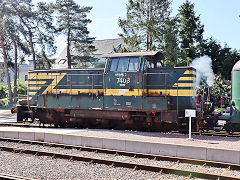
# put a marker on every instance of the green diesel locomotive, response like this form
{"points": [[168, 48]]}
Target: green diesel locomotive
{"points": [[133, 91]]}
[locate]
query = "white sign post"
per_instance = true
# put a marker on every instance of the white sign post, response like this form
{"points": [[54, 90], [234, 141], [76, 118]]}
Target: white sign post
{"points": [[190, 113]]}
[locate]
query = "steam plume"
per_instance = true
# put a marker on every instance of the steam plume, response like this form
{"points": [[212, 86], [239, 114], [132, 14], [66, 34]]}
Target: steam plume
{"points": [[203, 65]]}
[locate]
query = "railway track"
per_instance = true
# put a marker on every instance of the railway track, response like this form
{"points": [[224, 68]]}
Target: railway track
{"points": [[131, 163], [12, 177]]}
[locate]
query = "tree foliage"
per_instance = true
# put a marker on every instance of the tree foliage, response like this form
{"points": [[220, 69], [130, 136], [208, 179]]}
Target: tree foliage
{"points": [[223, 58], [36, 25], [171, 50], [190, 33], [72, 22], [4, 40], [220, 89], [143, 27], [22, 23]]}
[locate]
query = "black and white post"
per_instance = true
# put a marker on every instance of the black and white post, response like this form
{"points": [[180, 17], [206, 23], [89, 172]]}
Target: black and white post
{"points": [[190, 113]]}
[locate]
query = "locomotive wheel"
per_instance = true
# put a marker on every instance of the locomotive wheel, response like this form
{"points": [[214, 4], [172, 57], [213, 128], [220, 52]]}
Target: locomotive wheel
{"points": [[229, 128]]}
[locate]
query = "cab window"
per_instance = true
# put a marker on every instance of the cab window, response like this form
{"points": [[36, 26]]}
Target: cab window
{"points": [[124, 64], [133, 64], [114, 63]]}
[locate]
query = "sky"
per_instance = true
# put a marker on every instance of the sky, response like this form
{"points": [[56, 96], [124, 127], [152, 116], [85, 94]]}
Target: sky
{"points": [[220, 18]]}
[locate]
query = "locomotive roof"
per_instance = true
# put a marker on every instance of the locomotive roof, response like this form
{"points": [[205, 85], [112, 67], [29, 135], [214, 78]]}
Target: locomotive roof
{"points": [[236, 67], [129, 54]]}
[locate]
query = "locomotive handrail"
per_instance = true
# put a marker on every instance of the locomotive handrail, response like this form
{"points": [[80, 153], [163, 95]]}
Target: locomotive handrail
{"points": [[161, 85], [92, 85], [155, 73]]}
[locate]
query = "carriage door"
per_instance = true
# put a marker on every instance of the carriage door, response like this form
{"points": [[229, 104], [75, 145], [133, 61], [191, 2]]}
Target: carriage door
{"points": [[122, 83]]}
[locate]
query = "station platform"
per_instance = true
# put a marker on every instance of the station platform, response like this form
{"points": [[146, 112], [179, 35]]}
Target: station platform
{"points": [[222, 149]]}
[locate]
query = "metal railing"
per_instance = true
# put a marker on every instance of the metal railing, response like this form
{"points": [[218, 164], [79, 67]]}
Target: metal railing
{"points": [[69, 84], [165, 85]]}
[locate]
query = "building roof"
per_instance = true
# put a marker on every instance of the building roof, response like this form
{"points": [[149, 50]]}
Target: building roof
{"points": [[129, 54], [102, 47], [107, 45]]}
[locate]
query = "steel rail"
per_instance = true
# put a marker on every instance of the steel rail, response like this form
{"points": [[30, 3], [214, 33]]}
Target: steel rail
{"points": [[4, 176], [127, 164]]}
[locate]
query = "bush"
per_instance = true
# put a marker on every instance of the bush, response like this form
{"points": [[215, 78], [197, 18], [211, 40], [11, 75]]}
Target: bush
{"points": [[21, 88], [3, 91], [4, 103]]}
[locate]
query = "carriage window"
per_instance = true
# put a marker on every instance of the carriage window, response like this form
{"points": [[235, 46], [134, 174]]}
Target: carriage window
{"points": [[133, 64], [114, 63], [123, 64]]}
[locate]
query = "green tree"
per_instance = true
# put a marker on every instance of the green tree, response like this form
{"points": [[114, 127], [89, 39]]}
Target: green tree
{"points": [[190, 33], [223, 58], [72, 22], [12, 30], [170, 42], [45, 32], [143, 28], [36, 25], [4, 40], [44, 62]]}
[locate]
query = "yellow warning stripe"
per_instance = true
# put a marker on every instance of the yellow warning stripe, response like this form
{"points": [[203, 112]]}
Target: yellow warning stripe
{"points": [[36, 82], [124, 92], [74, 91], [187, 79], [190, 72], [34, 87], [151, 92], [184, 85], [31, 93], [172, 92], [44, 75]]}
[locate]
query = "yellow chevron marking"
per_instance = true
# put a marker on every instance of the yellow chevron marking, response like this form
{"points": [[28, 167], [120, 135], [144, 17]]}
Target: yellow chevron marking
{"points": [[57, 77], [190, 72], [187, 79], [184, 85], [39, 76]]}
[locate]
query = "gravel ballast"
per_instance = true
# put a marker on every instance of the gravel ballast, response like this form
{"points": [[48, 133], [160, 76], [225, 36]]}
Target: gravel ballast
{"points": [[50, 166]]}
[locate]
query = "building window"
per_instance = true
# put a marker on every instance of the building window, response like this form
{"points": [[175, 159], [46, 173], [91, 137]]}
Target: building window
{"points": [[26, 77]]}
